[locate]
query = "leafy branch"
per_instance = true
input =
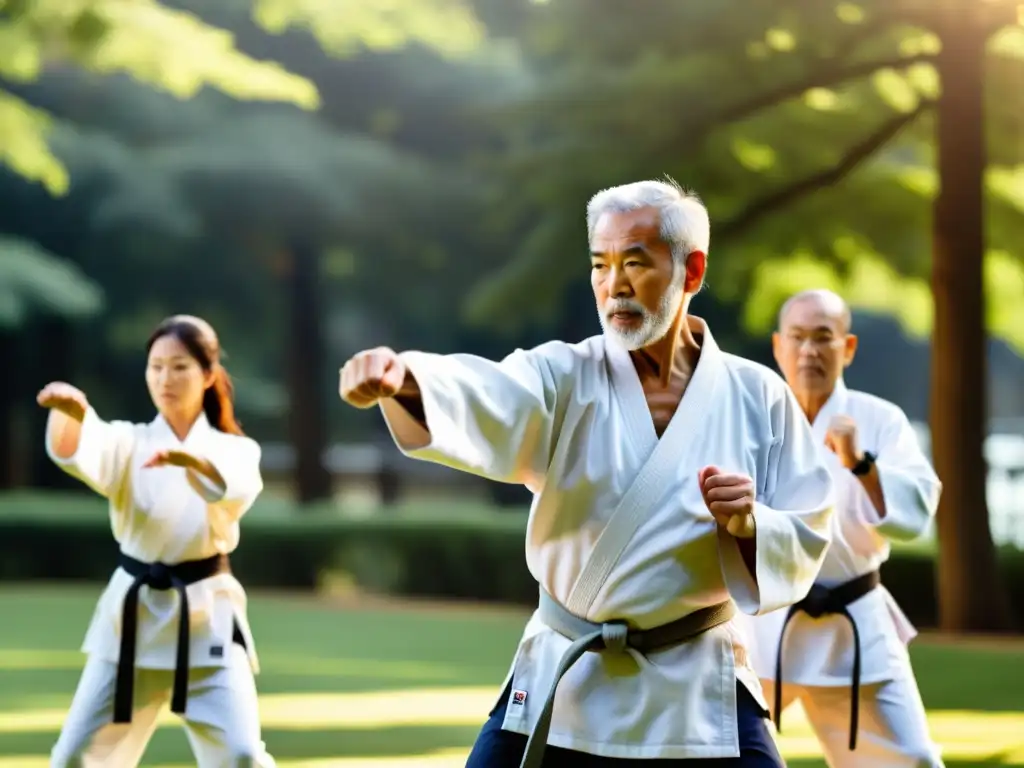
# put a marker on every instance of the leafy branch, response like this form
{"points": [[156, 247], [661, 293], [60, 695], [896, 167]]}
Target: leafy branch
{"points": [[824, 77], [850, 161]]}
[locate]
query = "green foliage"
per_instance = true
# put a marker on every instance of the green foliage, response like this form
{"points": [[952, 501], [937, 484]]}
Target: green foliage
{"points": [[449, 26], [804, 126], [31, 278], [414, 552], [160, 46], [23, 144], [203, 199], [177, 52]]}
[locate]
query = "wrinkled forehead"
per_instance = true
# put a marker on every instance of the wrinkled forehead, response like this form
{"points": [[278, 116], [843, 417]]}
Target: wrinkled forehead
{"points": [[813, 314], [620, 231]]}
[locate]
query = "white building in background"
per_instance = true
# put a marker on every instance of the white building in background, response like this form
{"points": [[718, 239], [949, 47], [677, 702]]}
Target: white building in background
{"points": [[1004, 453]]}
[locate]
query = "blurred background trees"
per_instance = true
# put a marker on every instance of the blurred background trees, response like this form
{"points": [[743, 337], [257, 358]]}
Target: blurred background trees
{"points": [[415, 173]]}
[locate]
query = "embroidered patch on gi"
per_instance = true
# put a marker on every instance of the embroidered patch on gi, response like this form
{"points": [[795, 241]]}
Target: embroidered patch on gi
{"points": [[217, 651], [519, 698]]}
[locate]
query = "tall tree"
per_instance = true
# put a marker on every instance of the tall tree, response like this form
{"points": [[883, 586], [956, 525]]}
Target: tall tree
{"points": [[280, 190], [971, 594]]}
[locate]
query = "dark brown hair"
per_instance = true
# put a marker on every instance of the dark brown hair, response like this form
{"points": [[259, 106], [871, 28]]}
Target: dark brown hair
{"points": [[199, 338]]}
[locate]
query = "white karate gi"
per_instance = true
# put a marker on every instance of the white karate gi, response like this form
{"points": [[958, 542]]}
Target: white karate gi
{"points": [[818, 660], [571, 422], [157, 515]]}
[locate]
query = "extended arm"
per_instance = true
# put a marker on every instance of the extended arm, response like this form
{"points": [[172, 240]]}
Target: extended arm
{"points": [[227, 476], [494, 419], [792, 523], [90, 449]]}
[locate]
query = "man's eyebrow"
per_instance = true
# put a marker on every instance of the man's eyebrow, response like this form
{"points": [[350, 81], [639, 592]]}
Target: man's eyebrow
{"points": [[633, 250]]}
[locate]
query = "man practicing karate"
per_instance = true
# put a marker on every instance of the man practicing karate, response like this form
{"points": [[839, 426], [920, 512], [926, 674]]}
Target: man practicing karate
{"points": [[671, 483], [844, 654]]}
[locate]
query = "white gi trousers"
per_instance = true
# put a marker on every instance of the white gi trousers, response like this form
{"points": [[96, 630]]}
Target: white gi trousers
{"points": [[221, 720], [893, 730]]}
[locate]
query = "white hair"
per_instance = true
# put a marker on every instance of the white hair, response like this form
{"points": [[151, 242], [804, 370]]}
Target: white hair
{"points": [[685, 225]]}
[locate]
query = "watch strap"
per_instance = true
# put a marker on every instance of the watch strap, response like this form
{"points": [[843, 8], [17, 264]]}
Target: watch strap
{"points": [[863, 466]]}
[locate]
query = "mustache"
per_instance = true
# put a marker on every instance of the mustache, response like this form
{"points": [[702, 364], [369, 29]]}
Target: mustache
{"points": [[624, 305]]}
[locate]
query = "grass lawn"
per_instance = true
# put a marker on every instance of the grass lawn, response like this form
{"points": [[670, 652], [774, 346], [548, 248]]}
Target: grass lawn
{"points": [[408, 688]]}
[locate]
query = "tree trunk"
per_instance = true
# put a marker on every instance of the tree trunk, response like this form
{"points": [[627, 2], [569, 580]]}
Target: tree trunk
{"points": [[8, 402], [56, 337], [307, 413], [972, 597]]}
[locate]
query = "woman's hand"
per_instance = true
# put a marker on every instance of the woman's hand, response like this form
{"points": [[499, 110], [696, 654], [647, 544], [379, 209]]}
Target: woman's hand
{"points": [[61, 396], [189, 462], [175, 459]]}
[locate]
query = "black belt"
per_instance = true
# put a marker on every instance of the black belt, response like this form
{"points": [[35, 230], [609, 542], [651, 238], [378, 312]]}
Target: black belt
{"points": [[822, 601], [163, 577]]}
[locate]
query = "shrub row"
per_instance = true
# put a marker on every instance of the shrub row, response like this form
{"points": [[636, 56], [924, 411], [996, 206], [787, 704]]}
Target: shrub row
{"points": [[477, 557]]}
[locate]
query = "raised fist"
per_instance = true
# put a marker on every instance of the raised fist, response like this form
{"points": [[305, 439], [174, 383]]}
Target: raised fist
{"points": [[65, 398], [730, 500], [371, 376], [841, 439]]}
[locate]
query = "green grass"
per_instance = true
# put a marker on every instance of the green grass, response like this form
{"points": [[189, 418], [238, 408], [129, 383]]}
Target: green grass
{"points": [[390, 688]]}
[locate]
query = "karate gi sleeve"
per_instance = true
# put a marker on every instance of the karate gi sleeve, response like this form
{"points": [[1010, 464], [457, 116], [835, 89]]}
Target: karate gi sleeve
{"points": [[492, 419], [237, 459], [909, 484], [793, 522], [103, 457]]}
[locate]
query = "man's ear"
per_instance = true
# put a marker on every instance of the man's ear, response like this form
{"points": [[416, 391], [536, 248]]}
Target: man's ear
{"points": [[696, 265], [849, 349]]}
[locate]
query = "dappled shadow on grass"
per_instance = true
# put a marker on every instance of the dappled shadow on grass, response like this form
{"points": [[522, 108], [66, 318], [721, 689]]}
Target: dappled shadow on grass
{"points": [[986, 680], [358, 684], [169, 745], [406, 740], [1001, 760]]}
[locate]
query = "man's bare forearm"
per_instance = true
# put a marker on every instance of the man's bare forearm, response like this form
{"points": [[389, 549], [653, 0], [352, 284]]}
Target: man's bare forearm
{"points": [[872, 484], [410, 399], [748, 551]]}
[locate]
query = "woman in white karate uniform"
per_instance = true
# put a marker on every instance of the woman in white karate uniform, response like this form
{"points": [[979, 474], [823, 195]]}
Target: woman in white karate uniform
{"points": [[171, 625]]}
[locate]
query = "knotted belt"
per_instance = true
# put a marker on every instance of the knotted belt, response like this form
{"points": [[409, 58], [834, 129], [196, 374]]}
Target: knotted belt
{"points": [[612, 636], [162, 577], [822, 601]]}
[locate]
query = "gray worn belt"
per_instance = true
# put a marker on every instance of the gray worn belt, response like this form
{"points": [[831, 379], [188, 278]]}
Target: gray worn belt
{"points": [[614, 636]]}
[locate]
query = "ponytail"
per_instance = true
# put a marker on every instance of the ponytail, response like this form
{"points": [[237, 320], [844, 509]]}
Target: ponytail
{"points": [[219, 402]]}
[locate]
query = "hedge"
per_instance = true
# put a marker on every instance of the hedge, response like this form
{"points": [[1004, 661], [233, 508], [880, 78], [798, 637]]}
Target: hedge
{"points": [[415, 553]]}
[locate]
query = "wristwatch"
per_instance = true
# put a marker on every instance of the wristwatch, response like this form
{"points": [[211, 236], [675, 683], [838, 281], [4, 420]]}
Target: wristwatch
{"points": [[863, 466]]}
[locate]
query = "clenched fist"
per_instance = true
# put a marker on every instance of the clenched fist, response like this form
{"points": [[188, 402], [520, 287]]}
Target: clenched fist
{"points": [[65, 398], [730, 499], [371, 376], [841, 439]]}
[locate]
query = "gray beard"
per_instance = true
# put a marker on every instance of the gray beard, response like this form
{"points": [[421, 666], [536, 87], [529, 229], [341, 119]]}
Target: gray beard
{"points": [[654, 325]]}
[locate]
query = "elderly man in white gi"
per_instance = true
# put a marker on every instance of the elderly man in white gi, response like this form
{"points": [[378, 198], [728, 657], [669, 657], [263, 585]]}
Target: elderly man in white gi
{"points": [[843, 649], [672, 482]]}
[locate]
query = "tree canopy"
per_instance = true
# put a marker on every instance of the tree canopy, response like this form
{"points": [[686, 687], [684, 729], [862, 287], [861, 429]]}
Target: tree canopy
{"points": [[779, 114]]}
